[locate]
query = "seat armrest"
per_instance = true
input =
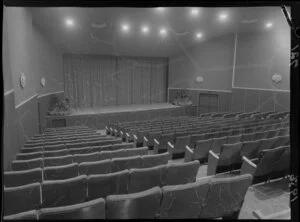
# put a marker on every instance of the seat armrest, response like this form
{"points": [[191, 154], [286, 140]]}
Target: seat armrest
{"points": [[145, 141], [170, 150], [111, 131], [107, 130], [248, 166], [127, 137], [213, 161], [135, 140], [156, 146], [188, 154]]}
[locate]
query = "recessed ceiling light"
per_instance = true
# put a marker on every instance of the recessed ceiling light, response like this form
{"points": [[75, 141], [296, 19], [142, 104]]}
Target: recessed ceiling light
{"points": [[199, 35], [145, 29], [69, 22], [125, 27], [194, 12], [269, 24], [163, 31], [160, 9], [223, 16]]}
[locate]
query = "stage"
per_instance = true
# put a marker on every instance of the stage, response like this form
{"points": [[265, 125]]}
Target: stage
{"points": [[97, 118]]}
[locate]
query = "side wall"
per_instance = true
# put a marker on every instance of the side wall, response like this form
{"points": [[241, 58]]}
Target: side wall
{"points": [[243, 81], [25, 50]]}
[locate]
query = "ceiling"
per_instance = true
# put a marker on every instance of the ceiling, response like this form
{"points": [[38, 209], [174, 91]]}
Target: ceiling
{"points": [[98, 30]]}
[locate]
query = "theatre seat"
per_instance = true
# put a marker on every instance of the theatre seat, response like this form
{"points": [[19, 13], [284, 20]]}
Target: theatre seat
{"points": [[24, 177], [161, 144], [260, 135], [83, 150], [195, 138], [32, 150], [21, 199], [261, 167], [180, 143], [184, 201], [283, 141], [28, 215], [61, 172], [201, 149], [234, 139], [268, 143], [97, 167], [94, 209], [90, 157], [58, 193], [119, 164], [142, 205], [102, 185], [181, 173], [225, 196], [122, 146], [229, 156], [58, 161], [217, 143], [248, 137], [29, 156], [56, 153], [250, 149], [155, 160], [146, 178], [27, 164], [56, 147], [141, 151], [283, 165]]}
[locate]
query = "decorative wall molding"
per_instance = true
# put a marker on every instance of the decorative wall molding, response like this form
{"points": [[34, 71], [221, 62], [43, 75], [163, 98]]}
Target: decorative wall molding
{"points": [[9, 92], [25, 101], [234, 60], [48, 94], [214, 90], [274, 90], [37, 96]]}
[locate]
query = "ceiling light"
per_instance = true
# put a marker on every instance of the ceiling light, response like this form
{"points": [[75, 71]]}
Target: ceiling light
{"points": [[125, 27], [69, 22], [269, 24], [199, 35], [194, 12], [163, 32], [160, 9], [145, 29], [223, 16]]}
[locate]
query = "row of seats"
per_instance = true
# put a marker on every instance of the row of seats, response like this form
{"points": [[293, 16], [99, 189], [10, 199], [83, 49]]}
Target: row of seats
{"points": [[56, 193], [186, 125], [148, 139], [38, 174], [206, 198], [127, 149], [250, 145], [77, 158], [217, 139], [74, 145]]}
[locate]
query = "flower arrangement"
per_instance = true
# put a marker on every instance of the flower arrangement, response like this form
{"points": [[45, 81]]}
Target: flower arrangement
{"points": [[59, 107], [182, 99]]}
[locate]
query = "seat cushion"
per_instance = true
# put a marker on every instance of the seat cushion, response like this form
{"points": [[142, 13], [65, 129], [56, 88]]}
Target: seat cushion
{"points": [[155, 160]]}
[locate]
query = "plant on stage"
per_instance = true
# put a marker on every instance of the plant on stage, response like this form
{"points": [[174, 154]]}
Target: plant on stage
{"points": [[183, 98], [59, 107]]}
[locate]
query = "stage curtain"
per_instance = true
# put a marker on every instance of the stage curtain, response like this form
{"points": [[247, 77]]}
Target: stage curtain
{"points": [[95, 81]]}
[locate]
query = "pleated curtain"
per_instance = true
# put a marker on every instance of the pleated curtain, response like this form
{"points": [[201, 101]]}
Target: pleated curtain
{"points": [[97, 81]]}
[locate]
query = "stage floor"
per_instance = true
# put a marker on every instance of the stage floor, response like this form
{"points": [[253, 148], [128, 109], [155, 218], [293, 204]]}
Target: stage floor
{"points": [[121, 108]]}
